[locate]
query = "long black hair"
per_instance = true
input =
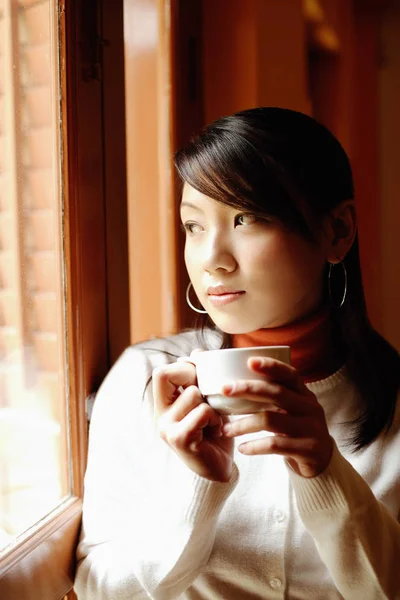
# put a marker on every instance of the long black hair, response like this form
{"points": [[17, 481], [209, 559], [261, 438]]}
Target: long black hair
{"points": [[282, 163]]}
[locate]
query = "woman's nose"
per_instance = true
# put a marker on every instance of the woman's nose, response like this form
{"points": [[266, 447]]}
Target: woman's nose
{"points": [[219, 255]]}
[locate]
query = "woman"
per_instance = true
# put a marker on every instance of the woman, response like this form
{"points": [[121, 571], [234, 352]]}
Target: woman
{"points": [[299, 501]]}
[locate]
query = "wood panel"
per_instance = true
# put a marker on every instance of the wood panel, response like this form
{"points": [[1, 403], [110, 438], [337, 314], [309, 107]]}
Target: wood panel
{"points": [[188, 117], [44, 568], [115, 187], [389, 75], [259, 60], [151, 202], [365, 162]]}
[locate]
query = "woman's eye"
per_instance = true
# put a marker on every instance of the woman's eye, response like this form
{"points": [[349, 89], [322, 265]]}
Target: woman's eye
{"points": [[245, 219], [189, 227]]}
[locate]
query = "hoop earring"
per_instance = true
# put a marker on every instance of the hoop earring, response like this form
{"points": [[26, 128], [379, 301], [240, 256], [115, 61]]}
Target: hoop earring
{"points": [[331, 265], [202, 312]]}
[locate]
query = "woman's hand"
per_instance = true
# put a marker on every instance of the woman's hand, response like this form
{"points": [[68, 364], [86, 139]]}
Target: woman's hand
{"points": [[293, 415], [188, 424]]}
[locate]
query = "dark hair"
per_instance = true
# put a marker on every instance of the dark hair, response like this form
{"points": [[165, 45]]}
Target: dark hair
{"points": [[282, 163]]}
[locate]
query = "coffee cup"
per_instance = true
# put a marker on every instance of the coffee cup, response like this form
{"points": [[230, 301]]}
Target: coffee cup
{"points": [[217, 367]]}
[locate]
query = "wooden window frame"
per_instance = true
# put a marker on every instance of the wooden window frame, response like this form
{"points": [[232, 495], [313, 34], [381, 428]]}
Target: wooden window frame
{"points": [[92, 221]]}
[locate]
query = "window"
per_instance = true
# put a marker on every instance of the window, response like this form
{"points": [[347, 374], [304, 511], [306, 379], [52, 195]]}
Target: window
{"points": [[34, 452], [64, 316]]}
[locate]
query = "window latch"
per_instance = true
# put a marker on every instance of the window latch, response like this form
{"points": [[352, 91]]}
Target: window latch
{"points": [[89, 403]]}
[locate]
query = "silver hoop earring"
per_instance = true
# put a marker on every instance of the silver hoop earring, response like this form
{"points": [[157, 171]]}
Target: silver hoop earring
{"points": [[331, 265], [202, 312]]}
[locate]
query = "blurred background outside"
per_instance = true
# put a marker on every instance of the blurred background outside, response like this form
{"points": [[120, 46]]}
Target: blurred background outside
{"points": [[33, 452]]}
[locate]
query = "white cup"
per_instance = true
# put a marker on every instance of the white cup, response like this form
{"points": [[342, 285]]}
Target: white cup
{"points": [[216, 367]]}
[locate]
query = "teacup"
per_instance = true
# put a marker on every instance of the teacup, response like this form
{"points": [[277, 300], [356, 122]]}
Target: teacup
{"points": [[216, 367]]}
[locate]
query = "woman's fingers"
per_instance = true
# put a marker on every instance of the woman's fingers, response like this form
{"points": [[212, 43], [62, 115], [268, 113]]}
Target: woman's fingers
{"points": [[265, 421], [189, 399], [175, 395], [190, 359], [278, 371], [188, 424], [304, 455], [168, 380], [196, 351], [296, 448], [182, 434], [275, 395], [195, 422]]}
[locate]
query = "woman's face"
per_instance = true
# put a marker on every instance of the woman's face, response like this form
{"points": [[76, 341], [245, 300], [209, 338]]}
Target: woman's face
{"points": [[277, 276]]}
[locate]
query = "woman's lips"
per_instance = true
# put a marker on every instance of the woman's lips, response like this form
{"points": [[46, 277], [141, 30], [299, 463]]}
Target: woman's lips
{"points": [[222, 299]]}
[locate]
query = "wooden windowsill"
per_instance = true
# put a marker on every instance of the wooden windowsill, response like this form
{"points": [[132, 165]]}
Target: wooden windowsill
{"points": [[44, 551]]}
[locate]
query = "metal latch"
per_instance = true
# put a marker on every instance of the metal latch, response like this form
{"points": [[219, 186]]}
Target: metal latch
{"points": [[89, 403]]}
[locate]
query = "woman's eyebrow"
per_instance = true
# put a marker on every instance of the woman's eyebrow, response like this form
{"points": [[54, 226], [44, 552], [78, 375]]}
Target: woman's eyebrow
{"points": [[185, 203]]}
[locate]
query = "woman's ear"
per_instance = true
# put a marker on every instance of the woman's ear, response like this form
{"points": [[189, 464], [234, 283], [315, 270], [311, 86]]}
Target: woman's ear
{"points": [[340, 230]]}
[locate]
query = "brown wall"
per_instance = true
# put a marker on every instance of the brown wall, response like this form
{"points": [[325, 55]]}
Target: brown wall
{"points": [[254, 54], [151, 210], [390, 172], [274, 53]]}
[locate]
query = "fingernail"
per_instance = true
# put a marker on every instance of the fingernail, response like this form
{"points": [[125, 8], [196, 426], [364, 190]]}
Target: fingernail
{"points": [[257, 362], [261, 363], [228, 388], [227, 428]]}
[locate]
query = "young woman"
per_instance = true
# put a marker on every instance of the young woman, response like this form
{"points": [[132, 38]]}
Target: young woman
{"points": [[301, 500]]}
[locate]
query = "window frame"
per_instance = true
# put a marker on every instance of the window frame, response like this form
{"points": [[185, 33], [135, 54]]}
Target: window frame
{"points": [[41, 563]]}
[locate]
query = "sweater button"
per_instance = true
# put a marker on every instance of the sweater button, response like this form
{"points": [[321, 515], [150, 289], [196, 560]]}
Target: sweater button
{"points": [[279, 515], [275, 583]]}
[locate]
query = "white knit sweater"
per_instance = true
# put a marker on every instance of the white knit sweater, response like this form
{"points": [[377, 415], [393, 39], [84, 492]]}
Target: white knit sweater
{"points": [[154, 529]]}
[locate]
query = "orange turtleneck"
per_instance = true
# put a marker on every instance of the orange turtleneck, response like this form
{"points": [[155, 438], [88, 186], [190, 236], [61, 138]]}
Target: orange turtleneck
{"points": [[316, 350]]}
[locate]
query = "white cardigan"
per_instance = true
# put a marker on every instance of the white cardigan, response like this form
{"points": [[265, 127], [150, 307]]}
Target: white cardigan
{"points": [[154, 529]]}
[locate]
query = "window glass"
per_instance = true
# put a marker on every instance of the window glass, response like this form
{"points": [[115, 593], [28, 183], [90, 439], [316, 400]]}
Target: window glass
{"points": [[34, 458]]}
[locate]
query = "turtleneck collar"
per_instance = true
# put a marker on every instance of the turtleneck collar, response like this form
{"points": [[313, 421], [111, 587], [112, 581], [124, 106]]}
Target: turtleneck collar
{"points": [[316, 350]]}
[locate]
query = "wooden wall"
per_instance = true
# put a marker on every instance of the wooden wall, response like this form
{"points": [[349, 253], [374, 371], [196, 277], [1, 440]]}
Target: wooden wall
{"points": [[390, 172], [323, 62], [319, 57]]}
